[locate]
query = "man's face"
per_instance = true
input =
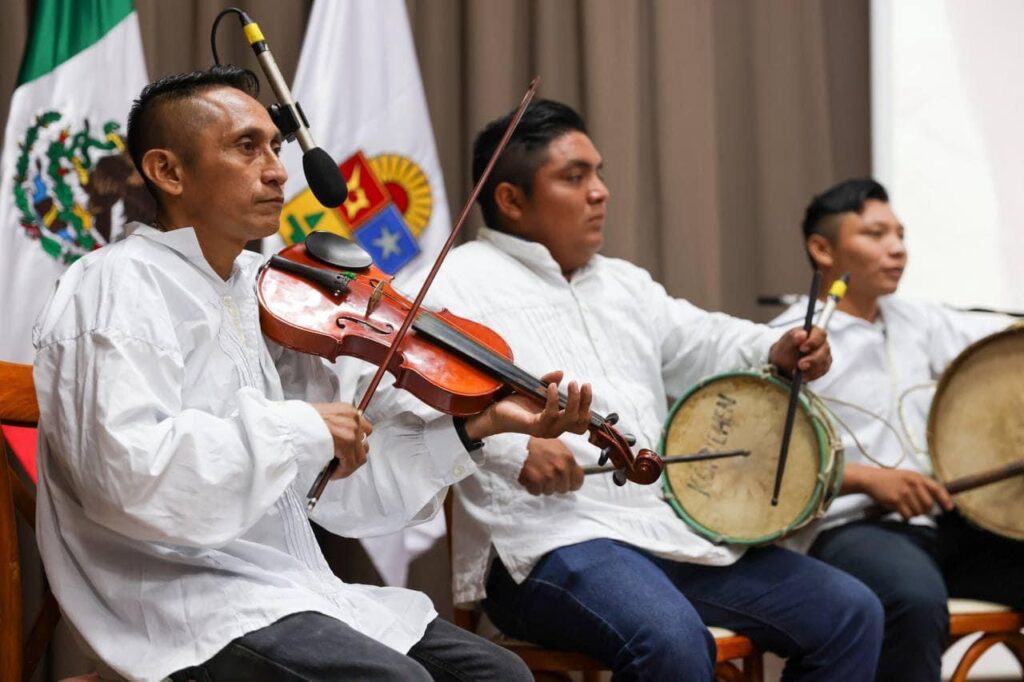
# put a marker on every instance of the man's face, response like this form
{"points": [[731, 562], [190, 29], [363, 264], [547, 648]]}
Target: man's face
{"points": [[870, 247], [233, 180], [566, 208]]}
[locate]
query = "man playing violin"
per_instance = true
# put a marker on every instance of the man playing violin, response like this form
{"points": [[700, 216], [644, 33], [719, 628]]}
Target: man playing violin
{"points": [[593, 567], [923, 551], [176, 441]]}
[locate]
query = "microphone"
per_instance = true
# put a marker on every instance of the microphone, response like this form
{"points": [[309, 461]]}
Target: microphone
{"points": [[323, 175]]}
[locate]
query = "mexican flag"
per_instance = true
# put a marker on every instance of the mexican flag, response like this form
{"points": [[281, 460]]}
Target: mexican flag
{"points": [[67, 185]]}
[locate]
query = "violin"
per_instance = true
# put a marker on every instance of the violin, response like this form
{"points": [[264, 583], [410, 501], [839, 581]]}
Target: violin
{"points": [[325, 296]]}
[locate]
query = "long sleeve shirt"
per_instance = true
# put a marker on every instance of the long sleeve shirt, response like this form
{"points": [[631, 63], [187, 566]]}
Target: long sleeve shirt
{"points": [[874, 364], [610, 325], [175, 447]]}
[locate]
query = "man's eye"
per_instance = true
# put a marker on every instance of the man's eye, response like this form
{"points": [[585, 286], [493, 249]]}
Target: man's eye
{"points": [[575, 178], [277, 150]]}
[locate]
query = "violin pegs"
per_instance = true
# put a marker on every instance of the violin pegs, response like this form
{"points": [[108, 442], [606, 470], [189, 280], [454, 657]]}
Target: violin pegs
{"points": [[619, 477], [630, 439], [606, 452], [612, 419]]}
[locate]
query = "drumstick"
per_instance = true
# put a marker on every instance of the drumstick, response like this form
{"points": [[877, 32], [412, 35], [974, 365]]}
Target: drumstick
{"points": [[794, 394], [962, 485], [675, 459]]}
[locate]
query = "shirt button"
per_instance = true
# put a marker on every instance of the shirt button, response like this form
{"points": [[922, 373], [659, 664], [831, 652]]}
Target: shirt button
{"points": [[458, 471]]}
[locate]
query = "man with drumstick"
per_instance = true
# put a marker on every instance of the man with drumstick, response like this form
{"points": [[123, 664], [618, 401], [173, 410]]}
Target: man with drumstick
{"points": [[884, 347], [590, 566]]}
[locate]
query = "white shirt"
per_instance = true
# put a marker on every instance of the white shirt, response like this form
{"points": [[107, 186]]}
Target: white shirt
{"points": [[175, 452], [873, 364], [614, 327]]}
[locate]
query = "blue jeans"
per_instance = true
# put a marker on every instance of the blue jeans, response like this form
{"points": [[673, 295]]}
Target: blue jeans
{"points": [[913, 570], [645, 617]]}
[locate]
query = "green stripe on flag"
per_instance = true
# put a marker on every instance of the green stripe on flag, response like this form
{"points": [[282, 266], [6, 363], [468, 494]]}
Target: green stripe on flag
{"points": [[63, 28]]}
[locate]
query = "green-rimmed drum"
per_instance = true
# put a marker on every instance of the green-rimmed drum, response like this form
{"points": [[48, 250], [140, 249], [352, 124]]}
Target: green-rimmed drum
{"points": [[729, 500]]}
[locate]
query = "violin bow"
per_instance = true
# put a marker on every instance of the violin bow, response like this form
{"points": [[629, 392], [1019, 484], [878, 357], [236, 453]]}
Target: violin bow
{"points": [[317, 489]]}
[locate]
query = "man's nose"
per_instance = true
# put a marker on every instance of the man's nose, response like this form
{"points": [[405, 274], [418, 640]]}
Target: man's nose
{"points": [[598, 192], [897, 247], [274, 172]]}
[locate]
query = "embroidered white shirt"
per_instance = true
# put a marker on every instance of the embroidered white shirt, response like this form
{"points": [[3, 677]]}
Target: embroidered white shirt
{"points": [[175, 450], [613, 326]]}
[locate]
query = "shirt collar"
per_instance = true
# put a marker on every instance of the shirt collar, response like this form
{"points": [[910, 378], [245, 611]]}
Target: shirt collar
{"points": [[183, 241], [533, 255]]}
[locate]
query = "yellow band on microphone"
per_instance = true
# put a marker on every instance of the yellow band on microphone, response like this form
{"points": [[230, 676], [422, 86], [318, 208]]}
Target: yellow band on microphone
{"points": [[253, 33], [838, 289]]}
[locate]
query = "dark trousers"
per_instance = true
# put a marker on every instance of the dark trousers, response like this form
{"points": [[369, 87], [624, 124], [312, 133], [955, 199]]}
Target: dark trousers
{"points": [[913, 570], [312, 647], [644, 616]]}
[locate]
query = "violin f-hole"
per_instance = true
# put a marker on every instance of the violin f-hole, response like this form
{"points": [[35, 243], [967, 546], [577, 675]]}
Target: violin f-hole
{"points": [[385, 330]]}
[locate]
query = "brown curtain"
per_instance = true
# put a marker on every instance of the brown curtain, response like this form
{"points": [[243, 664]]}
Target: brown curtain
{"points": [[717, 120]]}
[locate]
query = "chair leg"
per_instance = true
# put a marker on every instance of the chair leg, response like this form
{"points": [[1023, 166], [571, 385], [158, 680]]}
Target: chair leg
{"points": [[1014, 641], [727, 672], [753, 666]]}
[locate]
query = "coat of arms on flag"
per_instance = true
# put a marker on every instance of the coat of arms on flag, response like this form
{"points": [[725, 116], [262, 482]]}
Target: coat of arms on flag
{"points": [[67, 185], [389, 204]]}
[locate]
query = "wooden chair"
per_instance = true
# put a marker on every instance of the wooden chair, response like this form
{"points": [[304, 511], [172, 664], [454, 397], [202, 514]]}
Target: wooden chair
{"points": [[18, 660], [997, 624], [553, 664]]}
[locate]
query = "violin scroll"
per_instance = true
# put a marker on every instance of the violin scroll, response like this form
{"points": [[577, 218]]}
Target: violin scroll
{"points": [[643, 468]]}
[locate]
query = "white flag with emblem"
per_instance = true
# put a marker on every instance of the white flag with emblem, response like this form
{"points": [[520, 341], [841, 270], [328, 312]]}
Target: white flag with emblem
{"points": [[358, 82], [66, 184]]}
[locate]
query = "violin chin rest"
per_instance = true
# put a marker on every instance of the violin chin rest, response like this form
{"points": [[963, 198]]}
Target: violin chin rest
{"points": [[333, 249]]}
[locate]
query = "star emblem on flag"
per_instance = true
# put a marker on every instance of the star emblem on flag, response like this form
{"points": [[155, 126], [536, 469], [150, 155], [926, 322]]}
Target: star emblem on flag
{"points": [[389, 204]]}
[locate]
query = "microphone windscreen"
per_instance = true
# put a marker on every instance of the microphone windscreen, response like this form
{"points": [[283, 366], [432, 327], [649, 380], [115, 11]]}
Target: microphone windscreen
{"points": [[324, 178]]}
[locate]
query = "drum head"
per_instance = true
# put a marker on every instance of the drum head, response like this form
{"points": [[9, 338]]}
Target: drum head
{"points": [[729, 500], [976, 423]]}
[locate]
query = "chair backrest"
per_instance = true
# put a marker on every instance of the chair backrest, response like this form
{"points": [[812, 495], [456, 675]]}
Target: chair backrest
{"points": [[18, 406], [17, 395], [464, 618], [10, 580]]}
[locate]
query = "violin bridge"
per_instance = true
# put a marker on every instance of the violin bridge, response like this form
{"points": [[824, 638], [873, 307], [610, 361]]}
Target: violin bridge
{"points": [[374, 301]]}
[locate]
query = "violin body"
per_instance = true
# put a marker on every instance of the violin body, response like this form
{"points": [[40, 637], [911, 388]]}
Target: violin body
{"points": [[303, 316], [452, 364]]}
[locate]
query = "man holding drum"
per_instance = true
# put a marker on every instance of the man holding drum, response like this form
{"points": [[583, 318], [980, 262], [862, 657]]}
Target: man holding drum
{"points": [[593, 567], [885, 348]]}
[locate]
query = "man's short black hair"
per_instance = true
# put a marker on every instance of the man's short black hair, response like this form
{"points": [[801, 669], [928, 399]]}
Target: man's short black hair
{"points": [[846, 197], [543, 121], [147, 128], [825, 211]]}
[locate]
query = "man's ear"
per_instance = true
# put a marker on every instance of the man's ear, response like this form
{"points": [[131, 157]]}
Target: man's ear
{"points": [[164, 169], [822, 251], [510, 201]]}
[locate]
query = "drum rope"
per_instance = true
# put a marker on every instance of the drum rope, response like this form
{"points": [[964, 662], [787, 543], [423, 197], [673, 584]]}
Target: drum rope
{"points": [[860, 446], [920, 453]]}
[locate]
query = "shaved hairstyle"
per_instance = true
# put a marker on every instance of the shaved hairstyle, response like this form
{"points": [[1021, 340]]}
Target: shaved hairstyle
{"points": [[826, 210], [166, 114], [542, 122]]}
